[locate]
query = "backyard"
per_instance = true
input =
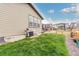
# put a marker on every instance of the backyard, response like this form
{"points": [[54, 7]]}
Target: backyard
{"points": [[47, 44]]}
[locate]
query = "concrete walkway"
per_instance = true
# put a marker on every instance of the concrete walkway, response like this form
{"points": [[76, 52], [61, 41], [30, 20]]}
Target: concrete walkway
{"points": [[73, 49]]}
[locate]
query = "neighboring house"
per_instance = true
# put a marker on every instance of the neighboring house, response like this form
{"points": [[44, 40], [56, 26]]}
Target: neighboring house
{"points": [[74, 25], [61, 26], [15, 18], [47, 27]]}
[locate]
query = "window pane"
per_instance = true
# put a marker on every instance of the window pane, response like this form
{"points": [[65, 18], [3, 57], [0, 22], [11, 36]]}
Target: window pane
{"points": [[30, 24], [30, 21], [39, 23], [31, 18], [35, 20]]}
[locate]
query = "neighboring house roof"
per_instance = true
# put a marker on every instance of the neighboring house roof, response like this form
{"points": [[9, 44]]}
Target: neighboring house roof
{"points": [[36, 10], [60, 23]]}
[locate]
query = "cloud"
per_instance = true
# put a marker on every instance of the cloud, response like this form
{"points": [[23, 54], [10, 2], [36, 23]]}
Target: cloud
{"points": [[77, 9], [47, 21], [56, 21], [51, 11], [63, 21], [68, 10]]}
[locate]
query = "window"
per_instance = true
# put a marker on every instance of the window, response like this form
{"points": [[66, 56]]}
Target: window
{"points": [[38, 23], [30, 21], [34, 22]]}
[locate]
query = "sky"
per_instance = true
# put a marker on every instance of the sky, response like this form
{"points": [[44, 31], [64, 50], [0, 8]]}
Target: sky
{"points": [[58, 12]]}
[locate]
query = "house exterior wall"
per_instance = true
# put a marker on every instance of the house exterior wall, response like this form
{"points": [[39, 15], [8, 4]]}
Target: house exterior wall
{"points": [[14, 19]]}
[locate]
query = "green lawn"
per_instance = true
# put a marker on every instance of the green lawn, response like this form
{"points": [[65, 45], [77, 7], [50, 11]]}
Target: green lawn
{"points": [[44, 45]]}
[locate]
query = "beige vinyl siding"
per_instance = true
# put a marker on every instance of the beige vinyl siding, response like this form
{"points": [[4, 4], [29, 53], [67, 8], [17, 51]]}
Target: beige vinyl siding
{"points": [[14, 19]]}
